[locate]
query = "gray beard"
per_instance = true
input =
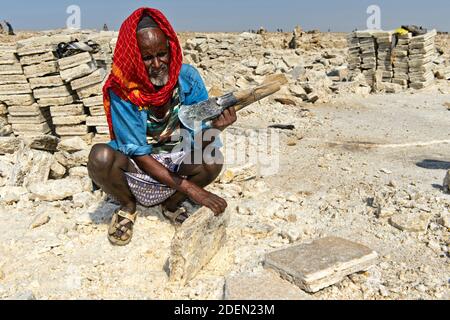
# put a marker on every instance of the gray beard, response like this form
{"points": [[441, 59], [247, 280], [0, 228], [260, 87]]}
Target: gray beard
{"points": [[160, 80]]}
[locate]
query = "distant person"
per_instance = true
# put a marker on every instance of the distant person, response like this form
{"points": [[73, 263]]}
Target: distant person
{"points": [[10, 28], [105, 27]]}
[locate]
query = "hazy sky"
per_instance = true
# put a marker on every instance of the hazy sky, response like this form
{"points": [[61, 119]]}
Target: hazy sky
{"points": [[231, 15]]}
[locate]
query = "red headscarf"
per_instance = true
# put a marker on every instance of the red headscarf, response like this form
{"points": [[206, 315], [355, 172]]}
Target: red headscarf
{"points": [[129, 77]]}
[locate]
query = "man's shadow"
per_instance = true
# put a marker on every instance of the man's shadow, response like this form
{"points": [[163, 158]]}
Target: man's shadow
{"points": [[434, 165]]}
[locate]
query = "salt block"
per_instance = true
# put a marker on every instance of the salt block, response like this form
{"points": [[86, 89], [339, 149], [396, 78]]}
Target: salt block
{"points": [[75, 60], [67, 110], [195, 243], [411, 221], [42, 69], [60, 101], [37, 58], [18, 99], [93, 101], [49, 81], [262, 286], [322, 263]]}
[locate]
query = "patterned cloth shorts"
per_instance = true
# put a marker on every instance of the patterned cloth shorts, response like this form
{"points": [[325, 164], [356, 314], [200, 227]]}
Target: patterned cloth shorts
{"points": [[148, 191]]}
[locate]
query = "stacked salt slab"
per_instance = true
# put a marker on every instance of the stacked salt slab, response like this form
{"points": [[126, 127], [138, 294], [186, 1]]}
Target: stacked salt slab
{"points": [[384, 61], [40, 67], [422, 52], [89, 90], [368, 55], [97, 120], [354, 52], [103, 57], [70, 118], [401, 61], [11, 75], [24, 115]]}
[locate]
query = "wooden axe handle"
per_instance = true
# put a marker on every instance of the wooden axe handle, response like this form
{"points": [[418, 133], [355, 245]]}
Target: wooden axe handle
{"points": [[249, 96]]}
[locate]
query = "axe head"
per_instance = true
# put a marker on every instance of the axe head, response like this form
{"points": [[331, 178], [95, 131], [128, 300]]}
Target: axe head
{"points": [[192, 116]]}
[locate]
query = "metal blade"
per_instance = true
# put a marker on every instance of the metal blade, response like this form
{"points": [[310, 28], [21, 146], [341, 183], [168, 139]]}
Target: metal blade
{"points": [[193, 115]]}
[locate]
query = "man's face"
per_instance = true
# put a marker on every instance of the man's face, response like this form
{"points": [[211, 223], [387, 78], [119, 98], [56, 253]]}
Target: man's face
{"points": [[155, 52]]}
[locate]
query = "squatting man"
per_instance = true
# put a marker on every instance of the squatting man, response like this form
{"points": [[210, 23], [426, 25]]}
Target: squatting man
{"points": [[147, 85]]}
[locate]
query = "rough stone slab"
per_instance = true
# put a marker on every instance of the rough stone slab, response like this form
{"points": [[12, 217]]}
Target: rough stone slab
{"points": [[195, 243], [70, 160], [8, 58], [31, 166], [411, 221], [19, 99], [423, 38], [33, 50], [75, 60], [36, 128], [96, 77], [67, 110], [421, 85], [262, 286], [54, 190], [43, 142], [96, 121], [45, 102], [322, 263], [42, 69], [8, 47], [37, 119], [76, 130], [37, 58], [49, 81], [102, 130], [72, 145], [56, 92], [78, 71], [97, 111], [13, 89], [26, 111], [8, 69], [15, 78], [9, 145], [45, 40], [92, 90], [31, 134], [93, 101], [69, 120]]}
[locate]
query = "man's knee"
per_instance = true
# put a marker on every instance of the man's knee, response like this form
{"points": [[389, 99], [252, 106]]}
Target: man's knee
{"points": [[213, 170], [214, 164], [101, 158]]}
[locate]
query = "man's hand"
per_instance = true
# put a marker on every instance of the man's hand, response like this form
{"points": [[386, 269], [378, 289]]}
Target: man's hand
{"points": [[226, 119], [207, 199]]}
